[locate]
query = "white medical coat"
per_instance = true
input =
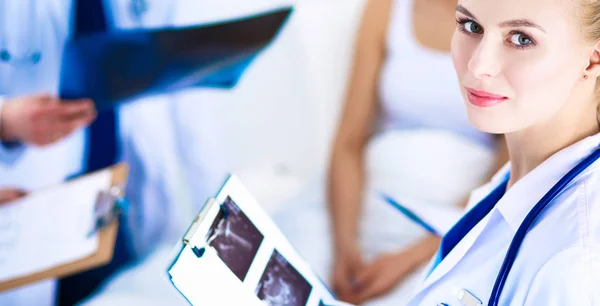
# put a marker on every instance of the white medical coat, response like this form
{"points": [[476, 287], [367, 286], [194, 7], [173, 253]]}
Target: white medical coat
{"points": [[559, 260]]}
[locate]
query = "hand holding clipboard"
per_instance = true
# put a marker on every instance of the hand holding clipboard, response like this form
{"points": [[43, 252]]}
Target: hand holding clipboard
{"points": [[10, 194], [70, 245]]}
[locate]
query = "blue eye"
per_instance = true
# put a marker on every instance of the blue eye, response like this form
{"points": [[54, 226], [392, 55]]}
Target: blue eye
{"points": [[520, 39], [472, 27], [468, 26]]}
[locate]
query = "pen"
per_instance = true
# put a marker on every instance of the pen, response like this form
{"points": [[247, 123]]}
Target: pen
{"points": [[411, 215]]}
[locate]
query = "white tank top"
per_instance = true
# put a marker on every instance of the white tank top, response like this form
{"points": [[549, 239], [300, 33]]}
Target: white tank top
{"points": [[418, 87]]}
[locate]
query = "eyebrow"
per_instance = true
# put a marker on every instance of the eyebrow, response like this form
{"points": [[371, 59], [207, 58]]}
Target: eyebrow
{"points": [[464, 11], [510, 23]]}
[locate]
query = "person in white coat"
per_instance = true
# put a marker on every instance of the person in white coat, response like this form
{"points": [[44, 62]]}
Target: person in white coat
{"points": [[528, 69], [44, 139]]}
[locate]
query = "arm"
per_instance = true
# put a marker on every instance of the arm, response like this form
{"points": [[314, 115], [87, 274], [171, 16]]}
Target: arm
{"points": [[346, 173]]}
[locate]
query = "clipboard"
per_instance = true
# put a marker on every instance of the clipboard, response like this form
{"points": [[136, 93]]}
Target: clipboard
{"points": [[196, 247], [212, 210], [106, 228], [236, 253]]}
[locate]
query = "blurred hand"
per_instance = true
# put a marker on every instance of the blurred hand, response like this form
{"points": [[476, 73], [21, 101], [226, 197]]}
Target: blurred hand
{"points": [[384, 274], [10, 194], [43, 119], [347, 263]]}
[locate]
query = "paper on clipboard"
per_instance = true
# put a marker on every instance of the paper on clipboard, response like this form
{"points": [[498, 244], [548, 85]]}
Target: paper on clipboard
{"points": [[51, 233]]}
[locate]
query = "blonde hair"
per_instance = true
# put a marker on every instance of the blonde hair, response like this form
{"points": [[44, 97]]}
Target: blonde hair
{"points": [[590, 28], [590, 19]]}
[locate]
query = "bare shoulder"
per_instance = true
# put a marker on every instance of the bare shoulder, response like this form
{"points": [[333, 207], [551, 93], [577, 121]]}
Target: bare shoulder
{"points": [[375, 19]]}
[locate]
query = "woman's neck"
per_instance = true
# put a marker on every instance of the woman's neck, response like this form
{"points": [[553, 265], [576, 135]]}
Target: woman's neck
{"points": [[530, 147]]}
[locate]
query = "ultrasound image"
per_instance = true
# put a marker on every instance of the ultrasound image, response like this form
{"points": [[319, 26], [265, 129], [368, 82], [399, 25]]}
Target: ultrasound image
{"points": [[237, 240], [282, 285]]}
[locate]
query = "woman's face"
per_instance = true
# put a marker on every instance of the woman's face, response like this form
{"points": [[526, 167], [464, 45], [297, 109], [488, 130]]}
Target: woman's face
{"points": [[517, 60]]}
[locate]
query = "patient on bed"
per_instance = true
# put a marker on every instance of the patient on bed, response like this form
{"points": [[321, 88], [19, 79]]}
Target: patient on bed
{"points": [[404, 132]]}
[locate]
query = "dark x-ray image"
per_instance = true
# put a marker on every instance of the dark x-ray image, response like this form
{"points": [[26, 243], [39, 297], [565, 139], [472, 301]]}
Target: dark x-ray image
{"points": [[281, 284], [236, 239]]}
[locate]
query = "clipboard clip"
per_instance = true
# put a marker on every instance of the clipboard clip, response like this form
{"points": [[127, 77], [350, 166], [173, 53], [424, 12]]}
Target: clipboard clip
{"points": [[220, 219], [110, 205]]}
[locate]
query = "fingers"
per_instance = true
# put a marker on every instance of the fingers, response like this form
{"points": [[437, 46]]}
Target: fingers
{"points": [[10, 194], [42, 119], [366, 275], [369, 283], [372, 289], [66, 127], [342, 285], [59, 119], [347, 264], [71, 110], [53, 132], [43, 97], [378, 278]]}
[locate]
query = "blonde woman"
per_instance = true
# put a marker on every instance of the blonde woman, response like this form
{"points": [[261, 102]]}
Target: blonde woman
{"points": [[528, 69]]}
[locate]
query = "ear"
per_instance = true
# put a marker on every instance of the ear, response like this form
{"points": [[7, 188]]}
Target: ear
{"points": [[593, 68]]}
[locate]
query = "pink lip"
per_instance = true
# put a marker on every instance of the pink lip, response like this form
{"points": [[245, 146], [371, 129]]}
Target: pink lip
{"points": [[482, 98]]}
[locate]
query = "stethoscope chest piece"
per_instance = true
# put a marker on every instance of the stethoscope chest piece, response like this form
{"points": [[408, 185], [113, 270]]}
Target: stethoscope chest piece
{"points": [[32, 58]]}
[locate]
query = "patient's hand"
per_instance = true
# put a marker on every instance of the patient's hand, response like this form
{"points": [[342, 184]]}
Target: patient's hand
{"points": [[347, 264], [384, 273], [10, 194]]}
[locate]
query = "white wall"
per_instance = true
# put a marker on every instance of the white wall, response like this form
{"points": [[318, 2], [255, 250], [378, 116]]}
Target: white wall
{"points": [[274, 129]]}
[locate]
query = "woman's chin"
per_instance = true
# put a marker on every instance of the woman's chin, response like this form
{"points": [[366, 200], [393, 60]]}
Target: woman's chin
{"points": [[491, 124]]}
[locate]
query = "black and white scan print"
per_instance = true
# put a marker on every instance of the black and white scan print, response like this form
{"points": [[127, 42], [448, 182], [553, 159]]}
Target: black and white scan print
{"points": [[237, 240], [281, 284]]}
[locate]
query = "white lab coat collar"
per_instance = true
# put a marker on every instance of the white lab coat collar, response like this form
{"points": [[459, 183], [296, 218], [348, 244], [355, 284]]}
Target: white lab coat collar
{"points": [[525, 193], [519, 199]]}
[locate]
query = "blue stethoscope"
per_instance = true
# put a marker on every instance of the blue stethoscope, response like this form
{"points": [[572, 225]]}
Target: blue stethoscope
{"points": [[33, 54], [533, 215]]}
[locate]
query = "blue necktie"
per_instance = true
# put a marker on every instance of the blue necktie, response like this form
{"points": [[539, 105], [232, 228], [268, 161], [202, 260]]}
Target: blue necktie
{"points": [[101, 152], [102, 138], [468, 222]]}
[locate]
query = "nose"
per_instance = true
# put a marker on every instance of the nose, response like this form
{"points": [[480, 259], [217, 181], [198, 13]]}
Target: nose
{"points": [[485, 62]]}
